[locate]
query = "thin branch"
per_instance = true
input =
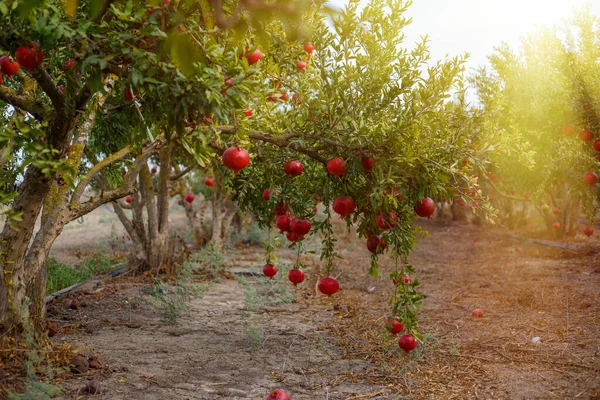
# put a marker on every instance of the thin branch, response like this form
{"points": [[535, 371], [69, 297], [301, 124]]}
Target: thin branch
{"points": [[181, 174], [283, 142]]}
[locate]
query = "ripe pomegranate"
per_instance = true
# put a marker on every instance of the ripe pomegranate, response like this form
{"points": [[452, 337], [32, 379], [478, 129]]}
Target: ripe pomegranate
{"points": [[189, 197], [283, 223], [248, 112], [527, 196], [296, 276], [588, 231], [281, 208], [407, 342], [8, 67], [519, 249], [128, 94], [477, 313], [386, 221], [556, 225], [154, 170], [597, 145], [270, 270], [328, 285], [367, 163], [425, 208], [209, 181], [293, 168], [29, 56], [569, 130], [293, 236], [336, 166], [229, 82], [236, 159], [403, 279], [556, 211], [376, 244], [586, 135], [284, 96], [278, 394], [52, 329], [344, 206], [254, 57], [308, 47], [590, 178], [394, 326], [301, 227], [128, 199], [74, 305], [69, 65], [266, 195], [301, 65]]}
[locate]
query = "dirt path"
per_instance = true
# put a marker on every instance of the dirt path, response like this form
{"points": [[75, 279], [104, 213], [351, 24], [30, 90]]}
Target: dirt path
{"points": [[237, 342]]}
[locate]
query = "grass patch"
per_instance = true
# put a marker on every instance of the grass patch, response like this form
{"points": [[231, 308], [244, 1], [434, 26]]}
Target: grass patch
{"points": [[62, 275]]}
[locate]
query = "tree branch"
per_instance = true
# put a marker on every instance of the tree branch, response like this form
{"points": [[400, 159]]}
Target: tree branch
{"points": [[22, 102], [45, 81], [181, 174]]}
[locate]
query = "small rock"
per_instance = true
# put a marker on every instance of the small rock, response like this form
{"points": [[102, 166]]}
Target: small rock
{"points": [[79, 365], [536, 339], [92, 386]]}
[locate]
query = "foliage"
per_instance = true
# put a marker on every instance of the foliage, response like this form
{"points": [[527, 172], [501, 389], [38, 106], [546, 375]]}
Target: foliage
{"points": [[62, 275]]}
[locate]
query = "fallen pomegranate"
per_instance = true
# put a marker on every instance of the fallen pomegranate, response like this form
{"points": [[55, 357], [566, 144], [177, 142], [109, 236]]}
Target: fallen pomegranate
{"points": [[29, 56], [344, 206], [301, 65], [590, 178], [328, 285], [586, 135], [8, 67], [394, 327], [270, 270], [278, 394], [248, 112], [128, 199], [407, 342], [336, 166], [52, 329], [367, 163], [296, 276], [386, 221], [74, 305], [477, 313], [300, 226], [189, 197], [293, 168], [376, 244], [588, 231], [236, 158], [425, 208], [308, 47], [283, 223], [254, 57]]}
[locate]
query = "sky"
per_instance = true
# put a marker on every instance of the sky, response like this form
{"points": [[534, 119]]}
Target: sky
{"points": [[477, 26]]}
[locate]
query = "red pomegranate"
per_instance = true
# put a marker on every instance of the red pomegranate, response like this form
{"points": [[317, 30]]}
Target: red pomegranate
{"points": [[278, 394], [394, 327], [270, 270], [556, 225], [407, 342], [328, 285], [69, 65], [248, 112], [301, 65], [254, 57], [344, 206], [477, 313], [29, 56], [281, 208], [293, 236], [296, 276], [300, 226], [556, 211], [236, 158], [590, 178], [308, 47], [569, 130], [189, 197], [293, 168], [425, 208], [376, 244], [588, 231], [406, 279], [266, 195], [336, 166], [209, 181], [367, 163], [284, 96], [283, 223], [128, 94], [8, 67], [597, 145], [154, 170], [128, 199], [386, 221], [586, 135]]}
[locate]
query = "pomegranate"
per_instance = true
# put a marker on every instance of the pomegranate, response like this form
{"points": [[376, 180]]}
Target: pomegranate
{"points": [[569, 130], [336, 166], [296, 276], [283, 223], [128, 94], [367, 163], [407, 342], [254, 57], [209, 181], [527, 196], [270, 270], [425, 208], [556, 225], [189, 197], [29, 56], [128, 199], [74, 305], [556, 211], [8, 67], [293, 236], [519, 249], [477, 313], [52, 329], [248, 112], [376, 244], [308, 47], [284, 96], [266, 195], [301, 227], [328, 285], [281, 208], [229, 82], [597, 145], [590, 178], [69, 65], [154, 170], [293, 168], [394, 327], [386, 221], [278, 394], [586, 135], [344, 206], [236, 159], [588, 231], [301, 65], [403, 279]]}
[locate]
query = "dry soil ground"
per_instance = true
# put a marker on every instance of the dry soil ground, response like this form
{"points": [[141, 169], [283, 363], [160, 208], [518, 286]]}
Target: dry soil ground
{"points": [[247, 335]]}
